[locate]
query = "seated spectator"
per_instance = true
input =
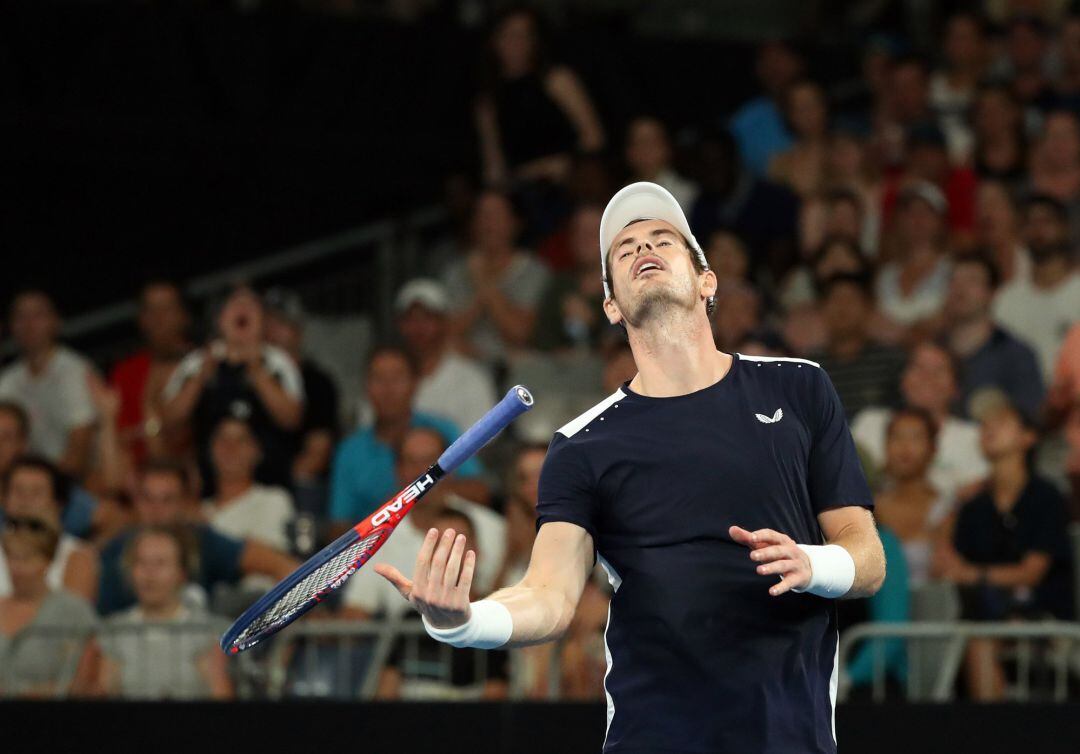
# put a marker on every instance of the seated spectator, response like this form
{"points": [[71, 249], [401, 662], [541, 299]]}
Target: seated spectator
{"points": [[837, 255], [1000, 143], [1063, 409], [284, 320], [802, 166], [495, 290], [1027, 41], [758, 126], [522, 488], [35, 490], [648, 156], [1012, 556], [929, 383], [1040, 310], [531, 116], [366, 594], [570, 310], [864, 372], [738, 313], [240, 508], [450, 384], [998, 231], [1055, 165], [852, 172], [989, 356], [420, 671], [728, 257], [140, 378], [49, 381], [46, 650], [911, 289], [953, 86], [909, 505], [81, 513], [162, 648], [165, 497], [762, 213], [240, 375], [363, 472], [1067, 86], [902, 103]]}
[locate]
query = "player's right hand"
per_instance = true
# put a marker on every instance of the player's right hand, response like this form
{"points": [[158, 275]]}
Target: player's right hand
{"points": [[442, 579]]}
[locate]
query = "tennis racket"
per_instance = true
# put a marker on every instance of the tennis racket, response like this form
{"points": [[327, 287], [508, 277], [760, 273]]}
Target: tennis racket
{"points": [[329, 568]]}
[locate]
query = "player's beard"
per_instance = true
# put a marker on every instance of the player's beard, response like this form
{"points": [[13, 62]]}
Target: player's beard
{"points": [[662, 302]]}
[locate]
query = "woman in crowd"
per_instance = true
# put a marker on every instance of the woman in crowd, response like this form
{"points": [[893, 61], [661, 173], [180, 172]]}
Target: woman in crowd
{"points": [[162, 648], [802, 167], [34, 489], [1000, 148], [910, 506], [531, 115], [46, 649], [997, 228]]}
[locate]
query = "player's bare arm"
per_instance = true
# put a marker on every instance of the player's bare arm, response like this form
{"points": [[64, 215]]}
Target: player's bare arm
{"points": [[850, 527], [541, 605]]}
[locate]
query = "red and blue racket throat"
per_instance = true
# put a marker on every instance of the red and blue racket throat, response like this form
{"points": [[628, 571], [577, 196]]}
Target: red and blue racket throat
{"points": [[331, 567]]}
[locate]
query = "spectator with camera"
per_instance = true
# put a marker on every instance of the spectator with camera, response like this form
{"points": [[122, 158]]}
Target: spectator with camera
{"points": [[240, 374]]}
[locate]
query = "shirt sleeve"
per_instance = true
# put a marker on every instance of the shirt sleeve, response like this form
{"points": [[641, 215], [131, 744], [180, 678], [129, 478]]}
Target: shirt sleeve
{"points": [[75, 393], [567, 492], [835, 477], [343, 506], [187, 367], [286, 372], [221, 557]]}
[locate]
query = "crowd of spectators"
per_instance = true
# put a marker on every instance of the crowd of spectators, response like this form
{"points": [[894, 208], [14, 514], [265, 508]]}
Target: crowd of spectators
{"points": [[914, 229]]}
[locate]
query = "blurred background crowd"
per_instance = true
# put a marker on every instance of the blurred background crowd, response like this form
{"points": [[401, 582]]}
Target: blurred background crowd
{"points": [[908, 217]]}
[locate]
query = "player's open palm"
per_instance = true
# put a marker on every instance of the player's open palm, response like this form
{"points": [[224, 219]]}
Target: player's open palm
{"points": [[441, 581], [776, 554]]}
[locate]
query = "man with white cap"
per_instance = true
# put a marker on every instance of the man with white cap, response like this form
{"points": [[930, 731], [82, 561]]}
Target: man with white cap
{"points": [[451, 384], [723, 496]]}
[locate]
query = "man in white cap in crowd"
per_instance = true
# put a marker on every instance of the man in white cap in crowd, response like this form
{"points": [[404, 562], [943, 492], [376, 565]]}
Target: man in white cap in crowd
{"points": [[451, 384], [722, 494]]}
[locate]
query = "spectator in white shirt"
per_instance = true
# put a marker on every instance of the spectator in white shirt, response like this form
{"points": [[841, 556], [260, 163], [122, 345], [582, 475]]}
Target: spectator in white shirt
{"points": [[929, 383], [648, 156], [49, 381], [912, 288], [450, 384], [241, 508]]}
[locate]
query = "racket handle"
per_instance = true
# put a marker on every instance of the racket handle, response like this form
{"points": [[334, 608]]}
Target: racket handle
{"points": [[517, 401]]}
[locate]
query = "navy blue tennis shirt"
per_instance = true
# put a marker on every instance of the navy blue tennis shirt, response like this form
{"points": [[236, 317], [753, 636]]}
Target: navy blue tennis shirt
{"points": [[701, 657]]}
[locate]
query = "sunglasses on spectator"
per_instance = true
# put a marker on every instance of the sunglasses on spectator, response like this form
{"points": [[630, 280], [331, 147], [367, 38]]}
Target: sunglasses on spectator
{"points": [[25, 522]]}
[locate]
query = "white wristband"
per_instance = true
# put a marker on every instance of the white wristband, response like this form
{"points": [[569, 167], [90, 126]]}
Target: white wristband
{"points": [[489, 627], [832, 571]]}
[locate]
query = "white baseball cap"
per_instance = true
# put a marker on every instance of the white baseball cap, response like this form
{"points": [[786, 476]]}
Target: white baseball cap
{"points": [[428, 293], [642, 201]]}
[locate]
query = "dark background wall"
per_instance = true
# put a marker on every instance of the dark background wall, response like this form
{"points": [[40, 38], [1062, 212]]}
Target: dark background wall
{"points": [[496, 728], [181, 137]]}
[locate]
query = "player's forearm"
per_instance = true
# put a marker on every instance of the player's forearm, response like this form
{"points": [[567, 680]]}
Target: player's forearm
{"points": [[540, 614], [869, 556]]}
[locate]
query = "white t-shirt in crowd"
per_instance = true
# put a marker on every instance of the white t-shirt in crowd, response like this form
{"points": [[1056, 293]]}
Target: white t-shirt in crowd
{"points": [[54, 577], [372, 593], [958, 462], [57, 400], [460, 389], [262, 513], [923, 302], [1039, 317], [282, 368]]}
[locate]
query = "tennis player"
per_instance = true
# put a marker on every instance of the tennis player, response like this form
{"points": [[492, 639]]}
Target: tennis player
{"points": [[724, 498]]}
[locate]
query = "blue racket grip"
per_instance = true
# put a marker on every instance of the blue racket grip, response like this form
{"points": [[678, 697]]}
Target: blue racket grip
{"points": [[517, 401]]}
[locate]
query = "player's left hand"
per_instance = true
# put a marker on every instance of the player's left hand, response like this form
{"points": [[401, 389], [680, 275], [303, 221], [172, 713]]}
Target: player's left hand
{"points": [[778, 554]]}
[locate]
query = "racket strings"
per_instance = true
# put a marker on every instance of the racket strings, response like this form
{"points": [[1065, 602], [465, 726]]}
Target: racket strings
{"points": [[324, 579]]}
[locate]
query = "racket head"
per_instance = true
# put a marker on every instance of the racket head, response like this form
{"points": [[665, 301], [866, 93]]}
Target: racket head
{"points": [[304, 588]]}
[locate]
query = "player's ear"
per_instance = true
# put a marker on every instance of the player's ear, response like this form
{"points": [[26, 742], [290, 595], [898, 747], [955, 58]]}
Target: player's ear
{"points": [[611, 309], [708, 284]]}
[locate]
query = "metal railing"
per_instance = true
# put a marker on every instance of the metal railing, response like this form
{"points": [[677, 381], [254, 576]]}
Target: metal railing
{"points": [[1062, 638]]}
